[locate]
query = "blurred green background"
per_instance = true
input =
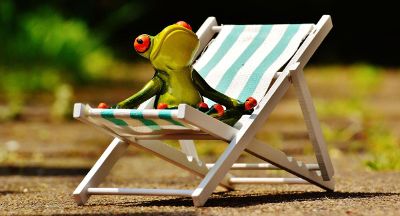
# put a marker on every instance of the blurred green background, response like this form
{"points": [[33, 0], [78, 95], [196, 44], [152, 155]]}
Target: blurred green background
{"points": [[55, 53]]}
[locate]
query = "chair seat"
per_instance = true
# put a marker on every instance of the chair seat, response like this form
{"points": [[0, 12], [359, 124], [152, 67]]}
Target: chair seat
{"points": [[150, 124]]}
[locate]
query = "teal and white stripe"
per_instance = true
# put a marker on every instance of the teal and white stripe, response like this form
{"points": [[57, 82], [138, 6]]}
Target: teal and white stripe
{"points": [[242, 60], [133, 121], [219, 47]]}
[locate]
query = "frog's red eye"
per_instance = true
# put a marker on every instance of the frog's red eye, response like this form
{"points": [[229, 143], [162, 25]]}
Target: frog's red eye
{"points": [[142, 43], [184, 24]]}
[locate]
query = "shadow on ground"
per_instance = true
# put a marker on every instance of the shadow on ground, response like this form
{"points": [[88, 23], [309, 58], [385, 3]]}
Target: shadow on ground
{"points": [[6, 192], [42, 171], [186, 213], [237, 201]]}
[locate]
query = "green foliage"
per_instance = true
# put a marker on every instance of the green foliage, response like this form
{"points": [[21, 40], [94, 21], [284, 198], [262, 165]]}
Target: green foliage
{"points": [[15, 104], [42, 50], [360, 82], [38, 79], [43, 38], [341, 107], [61, 108], [364, 79], [384, 149], [363, 131], [17, 83]]}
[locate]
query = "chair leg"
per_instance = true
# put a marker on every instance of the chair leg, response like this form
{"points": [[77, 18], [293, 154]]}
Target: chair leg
{"points": [[312, 123], [217, 172], [100, 170], [189, 148]]}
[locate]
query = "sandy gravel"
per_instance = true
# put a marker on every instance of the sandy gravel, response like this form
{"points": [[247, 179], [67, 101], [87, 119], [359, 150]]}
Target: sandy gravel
{"points": [[358, 192]]}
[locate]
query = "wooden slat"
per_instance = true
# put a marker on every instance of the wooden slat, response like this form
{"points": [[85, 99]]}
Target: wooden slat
{"points": [[246, 180], [188, 136], [139, 191], [261, 166]]}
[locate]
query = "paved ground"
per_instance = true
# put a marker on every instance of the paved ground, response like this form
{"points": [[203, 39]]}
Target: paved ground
{"points": [[358, 192]]}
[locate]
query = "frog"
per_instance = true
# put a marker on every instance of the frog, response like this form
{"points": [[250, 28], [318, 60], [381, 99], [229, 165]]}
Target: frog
{"points": [[171, 53]]}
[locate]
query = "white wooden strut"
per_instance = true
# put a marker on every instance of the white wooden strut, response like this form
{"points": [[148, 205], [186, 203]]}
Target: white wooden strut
{"points": [[139, 191], [243, 180], [261, 166]]}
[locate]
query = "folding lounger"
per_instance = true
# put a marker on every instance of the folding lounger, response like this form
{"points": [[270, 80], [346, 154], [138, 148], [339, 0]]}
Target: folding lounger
{"points": [[261, 61]]}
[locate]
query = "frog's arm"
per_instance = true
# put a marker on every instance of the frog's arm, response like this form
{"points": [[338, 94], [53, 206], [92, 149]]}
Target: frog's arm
{"points": [[153, 87], [207, 91]]}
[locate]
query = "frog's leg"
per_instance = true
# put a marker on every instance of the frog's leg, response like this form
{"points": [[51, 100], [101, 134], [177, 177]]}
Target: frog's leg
{"points": [[209, 92], [153, 87], [234, 108]]}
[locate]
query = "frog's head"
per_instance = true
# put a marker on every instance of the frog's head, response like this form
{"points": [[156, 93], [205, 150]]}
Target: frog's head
{"points": [[173, 48]]}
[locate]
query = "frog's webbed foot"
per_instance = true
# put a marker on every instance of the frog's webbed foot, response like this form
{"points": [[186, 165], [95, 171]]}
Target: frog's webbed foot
{"points": [[103, 105], [203, 107], [115, 106], [216, 111], [232, 115], [165, 106]]}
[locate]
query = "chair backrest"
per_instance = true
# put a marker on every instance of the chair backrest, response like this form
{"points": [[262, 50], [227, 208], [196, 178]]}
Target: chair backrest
{"points": [[243, 59]]}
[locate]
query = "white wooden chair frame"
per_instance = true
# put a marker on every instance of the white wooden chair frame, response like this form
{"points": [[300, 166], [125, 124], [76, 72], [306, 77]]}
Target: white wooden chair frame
{"points": [[240, 138]]}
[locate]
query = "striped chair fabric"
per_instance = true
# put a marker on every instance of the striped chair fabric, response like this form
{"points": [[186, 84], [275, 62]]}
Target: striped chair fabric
{"points": [[242, 60], [133, 122]]}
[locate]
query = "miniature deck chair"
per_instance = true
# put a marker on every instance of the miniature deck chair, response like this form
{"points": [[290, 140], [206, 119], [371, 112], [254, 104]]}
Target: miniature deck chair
{"points": [[261, 61]]}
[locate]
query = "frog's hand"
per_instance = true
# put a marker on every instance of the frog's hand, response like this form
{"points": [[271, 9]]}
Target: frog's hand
{"points": [[209, 92], [152, 88]]}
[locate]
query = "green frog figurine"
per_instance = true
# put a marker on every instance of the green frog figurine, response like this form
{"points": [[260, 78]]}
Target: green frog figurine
{"points": [[172, 52]]}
